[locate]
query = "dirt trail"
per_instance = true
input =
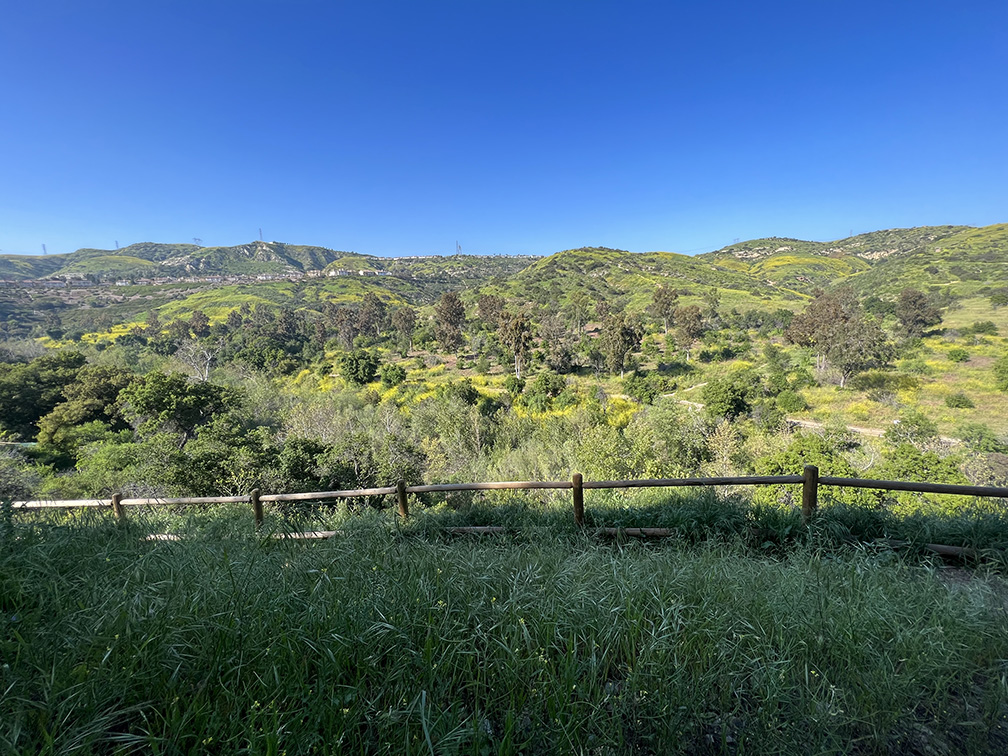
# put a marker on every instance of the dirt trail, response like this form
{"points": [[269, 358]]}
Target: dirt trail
{"points": [[859, 429]]}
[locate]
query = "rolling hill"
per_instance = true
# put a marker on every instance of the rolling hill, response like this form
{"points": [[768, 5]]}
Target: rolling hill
{"points": [[148, 259], [765, 273]]}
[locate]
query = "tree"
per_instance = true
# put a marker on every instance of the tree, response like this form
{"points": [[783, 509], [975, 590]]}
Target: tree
{"points": [[359, 366], [998, 297], [857, 345], [178, 331], [91, 399], [712, 298], [404, 322], [556, 342], [689, 327], [619, 336], [371, 315], [578, 310], [153, 326], [344, 321], [914, 428], [30, 391], [516, 335], [234, 320], [489, 309], [664, 303], [199, 324], [450, 314], [170, 402], [834, 325], [53, 326], [915, 312], [813, 327], [198, 356]]}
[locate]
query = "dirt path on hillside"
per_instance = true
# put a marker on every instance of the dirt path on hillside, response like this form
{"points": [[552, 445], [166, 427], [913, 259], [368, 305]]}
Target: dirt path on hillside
{"points": [[817, 425]]}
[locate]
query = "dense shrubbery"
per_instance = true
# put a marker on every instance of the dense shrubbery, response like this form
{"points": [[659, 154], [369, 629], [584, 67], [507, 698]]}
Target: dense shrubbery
{"points": [[284, 398]]}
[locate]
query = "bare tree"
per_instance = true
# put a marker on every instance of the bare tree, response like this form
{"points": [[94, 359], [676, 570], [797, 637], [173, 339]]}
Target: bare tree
{"points": [[198, 356]]}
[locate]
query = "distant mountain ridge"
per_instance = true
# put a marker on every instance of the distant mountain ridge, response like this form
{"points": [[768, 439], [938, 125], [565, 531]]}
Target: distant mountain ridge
{"points": [[172, 260], [880, 262]]}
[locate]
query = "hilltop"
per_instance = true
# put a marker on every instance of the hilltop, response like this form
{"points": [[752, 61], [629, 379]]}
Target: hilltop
{"points": [[767, 274], [879, 263], [147, 259]]}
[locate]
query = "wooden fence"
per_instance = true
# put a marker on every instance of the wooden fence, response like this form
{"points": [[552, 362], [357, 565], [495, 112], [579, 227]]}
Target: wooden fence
{"points": [[810, 482]]}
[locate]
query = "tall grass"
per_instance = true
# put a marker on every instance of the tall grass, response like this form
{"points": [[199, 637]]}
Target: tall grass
{"points": [[401, 640]]}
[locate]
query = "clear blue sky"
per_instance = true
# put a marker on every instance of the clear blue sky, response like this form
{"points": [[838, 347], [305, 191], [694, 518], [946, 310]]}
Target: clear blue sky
{"points": [[397, 128]]}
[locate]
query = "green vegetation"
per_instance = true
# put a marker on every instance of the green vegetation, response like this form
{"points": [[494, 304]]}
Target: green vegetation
{"points": [[749, 632], [401, 639]]}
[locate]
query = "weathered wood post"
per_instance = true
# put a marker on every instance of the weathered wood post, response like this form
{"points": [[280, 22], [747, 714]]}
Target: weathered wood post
{"points": [[8, 521], [117, 508], [401, 498], [577, 484], [810, 493], [257, 508]]}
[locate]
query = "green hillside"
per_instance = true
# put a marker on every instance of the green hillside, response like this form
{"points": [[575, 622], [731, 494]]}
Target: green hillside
{"points": [[629, 279], [968, 262], [171, 260], [765, 274], [21, 267], [808, 265]]}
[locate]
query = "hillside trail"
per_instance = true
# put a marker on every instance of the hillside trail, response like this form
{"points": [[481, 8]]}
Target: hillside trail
{"points": [[814, 424]]}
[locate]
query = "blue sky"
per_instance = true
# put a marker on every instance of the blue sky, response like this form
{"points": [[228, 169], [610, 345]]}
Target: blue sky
{"points": [[398, 128]]}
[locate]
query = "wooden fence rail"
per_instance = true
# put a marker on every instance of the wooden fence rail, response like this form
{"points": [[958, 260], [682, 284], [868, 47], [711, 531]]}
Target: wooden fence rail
{"points": [[810, 481]]}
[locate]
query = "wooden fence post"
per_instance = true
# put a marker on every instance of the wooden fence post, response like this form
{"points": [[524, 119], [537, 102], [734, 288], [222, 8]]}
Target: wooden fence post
{"points": [[8, 521], [401, 497], [257, 508], [810, 493], [117, 508], [578, 487]]}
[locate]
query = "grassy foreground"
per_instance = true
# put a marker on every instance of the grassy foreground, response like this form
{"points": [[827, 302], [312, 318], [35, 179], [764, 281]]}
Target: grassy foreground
{"points": [[390, 641]]}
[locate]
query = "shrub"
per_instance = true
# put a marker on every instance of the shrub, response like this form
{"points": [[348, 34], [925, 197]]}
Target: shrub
{"points": [[958, 355], [462, 390], [791, 401], [912, 427], [514, 385], [917, 366], [882, 380], [981, 328], [959, 400], [979, 437], [359, 366], [728, 397], [392, 375], [646, 387], [1001, 373]]}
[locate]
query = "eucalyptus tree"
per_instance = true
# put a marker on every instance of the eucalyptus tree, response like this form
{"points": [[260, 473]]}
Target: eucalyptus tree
{"points": [[516, 334], [450, 316]]}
